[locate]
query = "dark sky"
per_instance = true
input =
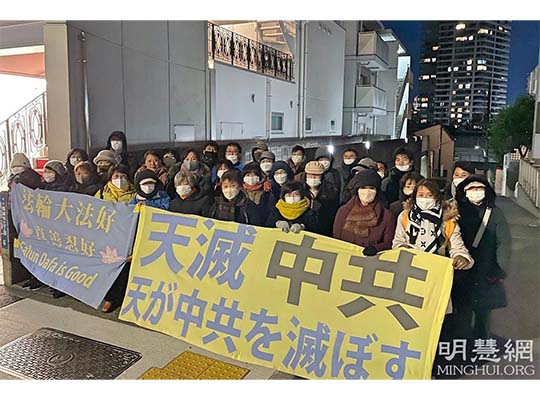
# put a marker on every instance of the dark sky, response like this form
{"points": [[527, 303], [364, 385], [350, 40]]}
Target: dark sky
{"points": [[523, 51]]}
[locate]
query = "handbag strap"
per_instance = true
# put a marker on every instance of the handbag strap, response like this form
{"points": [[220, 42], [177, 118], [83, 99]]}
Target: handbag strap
{"points": [[482, 228]]}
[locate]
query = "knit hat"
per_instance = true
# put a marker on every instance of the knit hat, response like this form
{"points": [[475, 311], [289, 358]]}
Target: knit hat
{"points": [[314, 167], [20, 160], [86, 164], [56, 166], [268, 154], [146, 176], [260, 145], [474, 184], [365, 164], [367, 177], [106, 155]]}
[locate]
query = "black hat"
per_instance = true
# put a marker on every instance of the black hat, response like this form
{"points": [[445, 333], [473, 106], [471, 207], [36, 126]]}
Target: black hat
{"points": [[367, 177], [147, 175]]}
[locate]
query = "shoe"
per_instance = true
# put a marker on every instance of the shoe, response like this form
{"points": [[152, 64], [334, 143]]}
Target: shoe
{"points": [[56, 294], [35, 284], [108, 307]]}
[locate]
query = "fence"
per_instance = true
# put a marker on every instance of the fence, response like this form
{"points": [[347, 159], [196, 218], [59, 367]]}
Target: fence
{"points": [[529, 179]]}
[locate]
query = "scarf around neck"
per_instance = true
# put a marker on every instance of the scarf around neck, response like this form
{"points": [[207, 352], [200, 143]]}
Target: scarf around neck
{"points": [[361, 218], [425, 228], [292, 212]]}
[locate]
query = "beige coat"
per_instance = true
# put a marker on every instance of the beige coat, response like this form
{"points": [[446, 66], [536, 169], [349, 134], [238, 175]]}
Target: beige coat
{"points": [[456, 247]]}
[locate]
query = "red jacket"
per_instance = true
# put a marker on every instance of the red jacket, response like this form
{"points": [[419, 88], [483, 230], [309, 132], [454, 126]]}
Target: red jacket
{"points": [[379, 236]]}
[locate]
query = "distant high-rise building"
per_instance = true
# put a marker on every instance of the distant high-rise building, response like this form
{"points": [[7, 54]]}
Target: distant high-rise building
{"points": [[463, 73]]}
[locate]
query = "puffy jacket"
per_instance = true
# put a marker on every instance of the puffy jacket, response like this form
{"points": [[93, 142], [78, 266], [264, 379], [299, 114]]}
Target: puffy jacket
{"points": [[114, 195], [160, 200]]}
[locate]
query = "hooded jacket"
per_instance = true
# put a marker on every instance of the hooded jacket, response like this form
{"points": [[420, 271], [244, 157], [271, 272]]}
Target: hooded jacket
{"points": [[276, 188], [345, 176], [297, 169], [474, 287], [197, 204], [70, 176], [115, 195], [90, 187], [331, 177], [124, 157], [157, 198]]}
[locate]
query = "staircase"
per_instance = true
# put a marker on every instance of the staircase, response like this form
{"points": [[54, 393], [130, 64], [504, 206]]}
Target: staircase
{"points": [[278, 34], [402, 110], [25, 132]]}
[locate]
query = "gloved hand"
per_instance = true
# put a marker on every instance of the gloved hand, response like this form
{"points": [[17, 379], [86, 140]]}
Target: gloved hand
{"points": [[370, 251], [296, 228], [283, 225]]}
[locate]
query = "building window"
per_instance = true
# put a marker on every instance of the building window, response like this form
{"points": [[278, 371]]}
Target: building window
{"points": [[456, 69], [452, 115], [482, 62], [466, 104], [468, 86], [454, 92], [308, 124], [449, 69], [426, 60], [469, 68], [460, 27], [471, 37], [424, 105], [436, 48], [277, 122], [461, 39], [481, 68], [434, 59], [423, 121], [460, 86], [332, 125], [469, 62], [467, 97], [483, 31]]}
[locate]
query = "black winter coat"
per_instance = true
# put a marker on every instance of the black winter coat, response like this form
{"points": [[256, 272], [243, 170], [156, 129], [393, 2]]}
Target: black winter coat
{"points": [[245, 211], [326, 207], [390, 184], [197, 204], [477, 287]]}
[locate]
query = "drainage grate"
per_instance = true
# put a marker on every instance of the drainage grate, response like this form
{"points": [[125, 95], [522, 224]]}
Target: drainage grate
{"points": [[6, 298], [190, 365], [51, 354]]}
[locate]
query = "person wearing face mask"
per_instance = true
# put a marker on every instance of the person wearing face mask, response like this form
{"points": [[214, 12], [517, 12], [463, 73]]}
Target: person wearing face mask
{"points": [[297, 162], [221, 167], [233, 205], [348, 161], [117, 143], [210, 154], [119, 188], [292, 212], [266, 162], [150, 191], [407, 184], [189, 199], [403, 163], [460, 172], [429, 223], [258, 189], [382, 169], [279, 175], [104, 160], [152, 162], [170, 158], [54, 177], [73, 157], [321, 201], [365, 163], [363, 220], [233, 153], [190, 162], [87, 180], [21, 172], [485, 231], [257, 150]]}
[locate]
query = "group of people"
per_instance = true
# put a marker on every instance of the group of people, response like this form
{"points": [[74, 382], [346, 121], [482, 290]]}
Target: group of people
{"points": [[348, 198]]}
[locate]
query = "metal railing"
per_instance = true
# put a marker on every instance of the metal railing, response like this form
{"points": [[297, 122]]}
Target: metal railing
{"points": [[529, 179], [231, 48], [23, 132]]}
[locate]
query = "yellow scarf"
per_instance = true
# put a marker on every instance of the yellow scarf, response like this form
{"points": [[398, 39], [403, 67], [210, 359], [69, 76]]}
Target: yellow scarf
{"points": [[292, 211]]}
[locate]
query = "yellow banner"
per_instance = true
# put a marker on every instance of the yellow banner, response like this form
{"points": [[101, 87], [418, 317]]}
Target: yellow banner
{"points": [[300, 303]]}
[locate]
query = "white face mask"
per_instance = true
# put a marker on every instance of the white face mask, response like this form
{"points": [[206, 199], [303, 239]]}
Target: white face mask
{"points": [[425, 204], [148, 188], [232, 158], [120, 182], [403, 168], [17, 170], [325, 164], [475, 196], [221, 172], [251, 180], [297, 159], [313, 183], [292, 199], [230, 193], [266, 166], [457, 181], [74, 160], [116, 145], [348, 161], [381, 174], [281, 178], [407, 191], [49, 177], [367, 195], [183, 190]]}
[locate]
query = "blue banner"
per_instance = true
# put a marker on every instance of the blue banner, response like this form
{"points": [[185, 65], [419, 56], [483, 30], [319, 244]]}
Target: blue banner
{"points": [[74, 243]]}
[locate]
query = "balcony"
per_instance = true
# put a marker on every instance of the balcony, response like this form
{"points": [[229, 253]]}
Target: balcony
{"points": [[371, 100], [372, 51], [230, 48]]}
